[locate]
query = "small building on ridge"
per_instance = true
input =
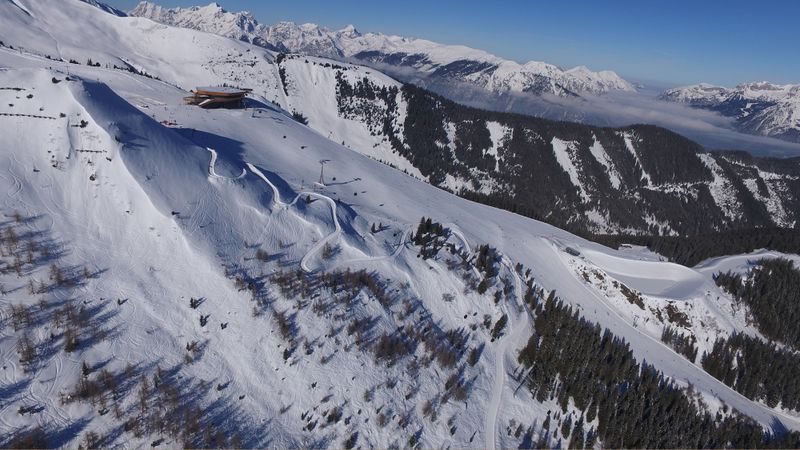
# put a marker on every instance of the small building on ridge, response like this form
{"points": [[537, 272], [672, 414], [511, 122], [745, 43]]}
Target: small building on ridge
{"points": [[218, 97]]}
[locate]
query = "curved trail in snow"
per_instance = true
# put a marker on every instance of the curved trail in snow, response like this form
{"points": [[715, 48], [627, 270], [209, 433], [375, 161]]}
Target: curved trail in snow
{"points": [[454, 230], [401, 245], [276, 196], [319, 245], [212, 167], [519, 323], [457, 233], [15, 178], [281, 205]]}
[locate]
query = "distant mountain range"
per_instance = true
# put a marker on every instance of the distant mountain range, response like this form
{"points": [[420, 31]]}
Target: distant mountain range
{"points": [[758, 108], [439, 61]]}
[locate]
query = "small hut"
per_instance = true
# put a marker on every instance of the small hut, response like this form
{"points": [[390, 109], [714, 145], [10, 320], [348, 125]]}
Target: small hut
{"points": [[218, 97]]}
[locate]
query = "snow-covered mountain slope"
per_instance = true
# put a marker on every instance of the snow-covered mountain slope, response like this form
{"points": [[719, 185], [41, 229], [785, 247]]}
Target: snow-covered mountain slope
{"points": [[212, 292], [211, 18], [184, 57], [587, 177], [158, 215], [376, 115], [431, 59], [590, 178], [759, 108]]}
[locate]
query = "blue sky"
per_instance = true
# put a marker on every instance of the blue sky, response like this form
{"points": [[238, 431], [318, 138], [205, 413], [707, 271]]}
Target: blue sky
{"points": [[676, 42]]}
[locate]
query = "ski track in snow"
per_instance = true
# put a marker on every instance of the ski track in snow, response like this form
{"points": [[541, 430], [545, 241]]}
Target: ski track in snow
{"points": [[281, 205], [401, 245], [276, 196], [212, 167], [514, 334], [454, 230], [333, 235], [499, 376], [327, 239]]}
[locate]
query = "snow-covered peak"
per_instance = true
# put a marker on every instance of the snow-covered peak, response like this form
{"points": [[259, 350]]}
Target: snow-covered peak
{"points": [[603, 81], [694, 92], [761, 90], [306, 38], [349, 30], [310, 27], [768, 91], [211, 18], [760, 86]]}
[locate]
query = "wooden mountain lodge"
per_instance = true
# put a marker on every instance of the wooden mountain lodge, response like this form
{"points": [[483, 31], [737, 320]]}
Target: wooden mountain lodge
{"points": [[218, 97]]}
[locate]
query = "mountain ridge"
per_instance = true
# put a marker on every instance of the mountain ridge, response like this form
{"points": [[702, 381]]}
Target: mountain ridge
{"points": [[435, 60]]}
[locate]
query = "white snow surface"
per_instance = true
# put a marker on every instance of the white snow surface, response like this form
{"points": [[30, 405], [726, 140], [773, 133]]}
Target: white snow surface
{"points": [[157, 211], [722, 190], [630, 138], [564, 155], [602, 157]]}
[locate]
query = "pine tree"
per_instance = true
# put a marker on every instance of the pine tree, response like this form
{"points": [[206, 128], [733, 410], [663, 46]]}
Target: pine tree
{"points": [[26, 350]]}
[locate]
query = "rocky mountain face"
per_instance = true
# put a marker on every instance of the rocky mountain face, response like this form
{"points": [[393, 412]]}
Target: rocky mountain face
{"points": [[758, 108], [429, 59]]}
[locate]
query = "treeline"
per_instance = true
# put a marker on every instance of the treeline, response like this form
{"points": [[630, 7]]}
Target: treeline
{"points": [[772, 295], [692, 249], [756, 369], [634, 404], [356, 101]]}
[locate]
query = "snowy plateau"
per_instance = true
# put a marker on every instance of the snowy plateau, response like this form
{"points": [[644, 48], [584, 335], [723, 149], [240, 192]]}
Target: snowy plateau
{"points": [[174, 276]]}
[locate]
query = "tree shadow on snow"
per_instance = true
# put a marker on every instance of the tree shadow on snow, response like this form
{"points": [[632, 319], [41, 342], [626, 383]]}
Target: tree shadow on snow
{"points": [[44, 437]]}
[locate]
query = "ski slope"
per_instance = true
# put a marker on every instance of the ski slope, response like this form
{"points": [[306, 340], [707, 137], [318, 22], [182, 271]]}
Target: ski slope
{"points": [[206, 213], [164, 213]]}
